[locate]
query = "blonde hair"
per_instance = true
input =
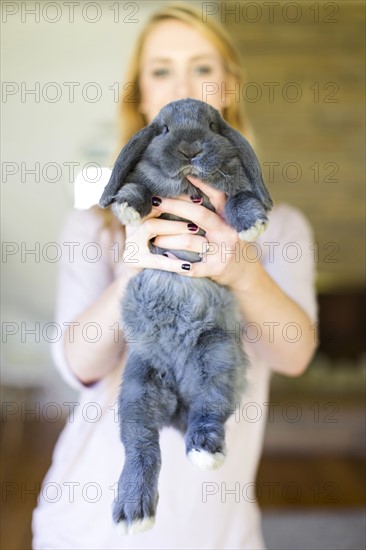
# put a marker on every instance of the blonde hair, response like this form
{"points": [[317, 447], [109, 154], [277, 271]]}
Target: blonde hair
{"points": [[131, 119]]}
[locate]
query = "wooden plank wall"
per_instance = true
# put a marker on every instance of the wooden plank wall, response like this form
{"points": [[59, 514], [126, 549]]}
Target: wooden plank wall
{"points": [[314, 127]]}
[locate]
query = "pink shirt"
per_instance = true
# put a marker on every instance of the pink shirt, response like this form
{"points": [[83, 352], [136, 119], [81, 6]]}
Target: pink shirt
{"points": [[196, 509]]}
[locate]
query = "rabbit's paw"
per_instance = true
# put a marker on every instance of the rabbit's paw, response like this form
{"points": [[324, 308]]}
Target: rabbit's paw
{"points": [[137, 526], [205, 449], [205, 460], [135, 515], [253, 232], [126, 213]]}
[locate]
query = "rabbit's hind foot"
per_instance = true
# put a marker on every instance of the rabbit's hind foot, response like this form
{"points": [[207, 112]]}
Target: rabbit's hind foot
{"points": [[205, 460], [137, 526], [134, 509]]}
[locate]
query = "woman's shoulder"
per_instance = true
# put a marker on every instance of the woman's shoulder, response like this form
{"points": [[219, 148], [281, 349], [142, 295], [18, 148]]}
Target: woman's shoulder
{"points": [[286, 220], [86, 217], [89, 185]]}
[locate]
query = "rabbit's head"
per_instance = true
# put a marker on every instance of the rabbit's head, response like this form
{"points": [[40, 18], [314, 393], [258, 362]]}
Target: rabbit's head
{"points": [[189, 137]]}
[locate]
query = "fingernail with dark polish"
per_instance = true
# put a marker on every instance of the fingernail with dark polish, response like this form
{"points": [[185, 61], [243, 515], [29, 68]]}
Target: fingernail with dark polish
{"points": [[196, 199], [156, 201], [166, 255], [192, 227], [186, 267]]}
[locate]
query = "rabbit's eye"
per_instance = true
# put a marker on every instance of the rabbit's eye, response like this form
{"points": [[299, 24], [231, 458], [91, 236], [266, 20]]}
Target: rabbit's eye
{"points": [[165, 129], [213, 126]]}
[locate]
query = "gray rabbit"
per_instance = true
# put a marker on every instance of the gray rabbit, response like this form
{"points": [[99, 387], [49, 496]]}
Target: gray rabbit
{"points": [[185, 367]]}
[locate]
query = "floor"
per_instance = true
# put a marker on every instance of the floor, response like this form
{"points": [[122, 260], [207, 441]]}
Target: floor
{"points": [[315, 530]]}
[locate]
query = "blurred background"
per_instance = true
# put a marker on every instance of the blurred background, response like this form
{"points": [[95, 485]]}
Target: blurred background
{"points": [[61, 73]]}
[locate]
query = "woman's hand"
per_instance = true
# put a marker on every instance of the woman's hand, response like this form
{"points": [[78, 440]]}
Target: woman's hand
{"points": [[173, 234], [222, 251]]}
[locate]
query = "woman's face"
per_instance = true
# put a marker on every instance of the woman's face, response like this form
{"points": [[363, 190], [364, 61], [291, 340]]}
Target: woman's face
{"points": [[178, 62]]}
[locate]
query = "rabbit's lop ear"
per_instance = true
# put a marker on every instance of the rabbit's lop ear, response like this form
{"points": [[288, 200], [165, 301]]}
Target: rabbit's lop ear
{"points": [[249, 162], [126, 160]]}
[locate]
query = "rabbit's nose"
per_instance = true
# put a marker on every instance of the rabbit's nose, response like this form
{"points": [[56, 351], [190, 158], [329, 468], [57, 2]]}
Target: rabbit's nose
{"points": [[189, 150]]}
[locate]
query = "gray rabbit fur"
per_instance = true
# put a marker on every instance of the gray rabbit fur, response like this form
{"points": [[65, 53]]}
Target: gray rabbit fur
{"points": [[185, 367]]}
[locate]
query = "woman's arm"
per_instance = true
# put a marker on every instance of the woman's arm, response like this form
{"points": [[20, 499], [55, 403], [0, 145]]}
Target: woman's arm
{"points": [[287, 341], [92, 360], [88, 300]]}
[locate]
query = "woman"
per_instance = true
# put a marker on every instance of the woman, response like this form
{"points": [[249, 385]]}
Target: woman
{"points": [[276, 296]]}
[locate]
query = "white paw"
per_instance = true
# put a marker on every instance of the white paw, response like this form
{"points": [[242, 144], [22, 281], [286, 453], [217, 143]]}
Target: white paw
{"points": [[121, 527], [126, 214], [205, 460], [141, 525], [137, 526], [253, 232]]}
